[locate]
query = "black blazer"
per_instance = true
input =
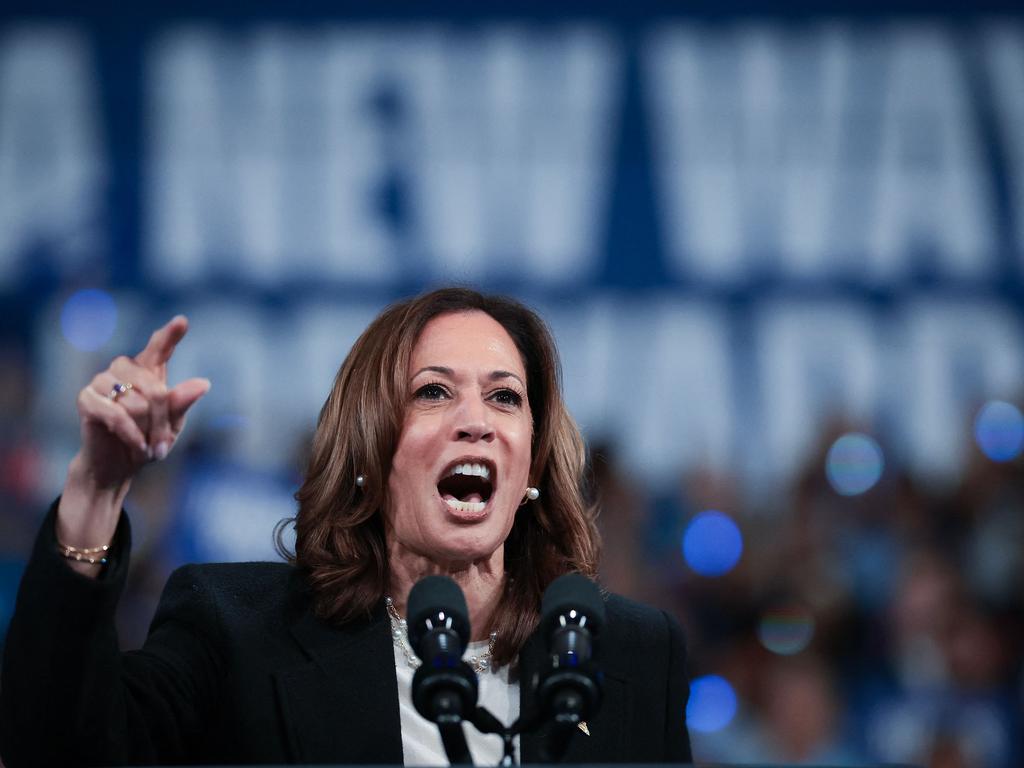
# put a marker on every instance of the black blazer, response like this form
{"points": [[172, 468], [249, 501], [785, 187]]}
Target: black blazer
{"points": [[236, 669]]}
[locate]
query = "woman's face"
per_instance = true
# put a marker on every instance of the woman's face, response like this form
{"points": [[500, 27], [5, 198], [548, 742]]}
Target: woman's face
{"points": [[463, 458]]}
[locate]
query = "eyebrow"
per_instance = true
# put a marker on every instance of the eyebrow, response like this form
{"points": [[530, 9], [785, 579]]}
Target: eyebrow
{"points": [[446, 371]]}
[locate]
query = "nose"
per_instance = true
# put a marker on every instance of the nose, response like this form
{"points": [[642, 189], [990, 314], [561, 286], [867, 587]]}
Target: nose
{"points": [[473, 420]]}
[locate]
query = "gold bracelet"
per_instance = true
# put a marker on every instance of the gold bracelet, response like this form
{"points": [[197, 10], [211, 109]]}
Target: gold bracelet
{"points": [[84, 554]]}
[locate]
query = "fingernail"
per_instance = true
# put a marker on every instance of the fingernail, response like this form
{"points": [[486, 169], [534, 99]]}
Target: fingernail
{"points": [[161, 450], [144, 447]]}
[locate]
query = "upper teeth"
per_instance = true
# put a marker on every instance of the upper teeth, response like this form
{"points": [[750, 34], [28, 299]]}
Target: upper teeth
{"points": [[480, 470]]}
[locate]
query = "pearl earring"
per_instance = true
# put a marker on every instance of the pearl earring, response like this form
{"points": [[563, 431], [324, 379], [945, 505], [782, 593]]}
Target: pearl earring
{"points": [[360, 480], [532, 494]]}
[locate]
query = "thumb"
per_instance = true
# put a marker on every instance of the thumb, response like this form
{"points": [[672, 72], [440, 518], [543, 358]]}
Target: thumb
{"points": [[182, 397]]}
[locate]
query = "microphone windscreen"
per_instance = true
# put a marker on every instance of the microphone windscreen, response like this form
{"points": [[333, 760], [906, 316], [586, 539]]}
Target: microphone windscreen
{"points": [[438, 593], [569, 592]]}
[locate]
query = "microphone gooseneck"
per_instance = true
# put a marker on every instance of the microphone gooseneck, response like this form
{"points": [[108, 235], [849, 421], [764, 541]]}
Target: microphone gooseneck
{"points": [[444, 688], [572, 615]]}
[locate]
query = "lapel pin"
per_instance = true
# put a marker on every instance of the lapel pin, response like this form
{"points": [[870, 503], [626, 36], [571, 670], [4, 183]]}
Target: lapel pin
{"points": [[582, 725]]}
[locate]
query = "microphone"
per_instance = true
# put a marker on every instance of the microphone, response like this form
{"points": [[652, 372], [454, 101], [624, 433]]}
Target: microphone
{"points": [[444, 688], [572, 615]]}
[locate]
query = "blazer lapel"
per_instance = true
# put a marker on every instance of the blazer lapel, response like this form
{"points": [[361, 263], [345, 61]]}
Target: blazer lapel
{"points": [[341, 705]]}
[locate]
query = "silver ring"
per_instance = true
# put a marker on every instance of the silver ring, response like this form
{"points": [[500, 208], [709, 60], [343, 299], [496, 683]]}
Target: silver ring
{"points": [[119, 389]]}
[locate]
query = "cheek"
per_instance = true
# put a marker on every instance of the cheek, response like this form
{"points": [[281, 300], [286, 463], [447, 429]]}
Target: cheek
{"points": [[402, 477], [411, 451], [403, 492], [522, 453]]}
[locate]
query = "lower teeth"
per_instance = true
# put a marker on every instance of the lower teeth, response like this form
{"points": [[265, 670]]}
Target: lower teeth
{"points": [[466, 506]]}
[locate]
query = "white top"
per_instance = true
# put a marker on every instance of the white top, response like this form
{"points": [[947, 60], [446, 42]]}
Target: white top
{"points": [[421, 741]]}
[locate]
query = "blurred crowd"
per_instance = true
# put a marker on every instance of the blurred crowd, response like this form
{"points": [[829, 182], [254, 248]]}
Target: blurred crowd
{"points": [[886, 626]]}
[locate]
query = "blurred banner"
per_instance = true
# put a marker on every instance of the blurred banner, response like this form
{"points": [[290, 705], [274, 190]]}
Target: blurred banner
{"points": [[738, 228]]}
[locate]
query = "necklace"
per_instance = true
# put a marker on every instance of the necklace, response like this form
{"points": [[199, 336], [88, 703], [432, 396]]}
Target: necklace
{"points": [[400, 630]]}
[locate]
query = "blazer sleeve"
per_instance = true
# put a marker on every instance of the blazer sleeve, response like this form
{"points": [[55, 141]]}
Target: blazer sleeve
{"points": [[69, 697], [677, 736]]}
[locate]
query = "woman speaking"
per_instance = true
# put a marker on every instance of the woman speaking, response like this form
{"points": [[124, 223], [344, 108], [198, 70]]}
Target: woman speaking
{"points": [[444, 447]]}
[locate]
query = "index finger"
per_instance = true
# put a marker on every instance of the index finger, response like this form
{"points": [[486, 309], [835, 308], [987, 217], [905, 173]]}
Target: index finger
{"points": [[162, 343]]}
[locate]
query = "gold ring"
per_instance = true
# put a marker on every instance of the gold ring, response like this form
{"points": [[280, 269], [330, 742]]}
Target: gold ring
{"points": [[119, 389]]}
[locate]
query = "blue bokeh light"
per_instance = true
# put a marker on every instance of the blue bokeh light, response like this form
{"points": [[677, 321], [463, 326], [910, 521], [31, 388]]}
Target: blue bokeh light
{"points": [[854, 464], [999, 430], [88, 319], [712, 704], [712, 543]]}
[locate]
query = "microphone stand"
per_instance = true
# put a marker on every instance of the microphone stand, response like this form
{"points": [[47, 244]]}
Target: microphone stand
{"points": [[568, 710], [454, 740], [486, 722], [442, 696]]}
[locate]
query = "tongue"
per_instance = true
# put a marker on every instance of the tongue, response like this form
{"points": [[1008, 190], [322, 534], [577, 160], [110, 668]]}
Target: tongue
{"points": [[474, 497]]}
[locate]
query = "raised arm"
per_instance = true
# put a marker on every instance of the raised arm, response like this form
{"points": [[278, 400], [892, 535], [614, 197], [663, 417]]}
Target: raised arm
{"points": [[67, 695], [128, 417]]}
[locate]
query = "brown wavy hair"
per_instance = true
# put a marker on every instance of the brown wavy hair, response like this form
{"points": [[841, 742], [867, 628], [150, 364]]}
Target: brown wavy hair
{"points": [[339, 528]]}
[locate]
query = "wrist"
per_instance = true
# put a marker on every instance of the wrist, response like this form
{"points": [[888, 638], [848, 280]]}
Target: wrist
{"points": [[88, 513], [83, 483]]}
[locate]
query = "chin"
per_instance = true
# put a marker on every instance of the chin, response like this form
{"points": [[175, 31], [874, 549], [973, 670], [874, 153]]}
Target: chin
{"points": [[468, 546]]}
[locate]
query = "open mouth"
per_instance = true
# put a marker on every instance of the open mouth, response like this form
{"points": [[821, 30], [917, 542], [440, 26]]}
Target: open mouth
{"points": [[466, 486]]}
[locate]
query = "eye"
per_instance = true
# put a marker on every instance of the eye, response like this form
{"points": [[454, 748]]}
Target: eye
{"points": [[507, 397], [432, 391]]}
